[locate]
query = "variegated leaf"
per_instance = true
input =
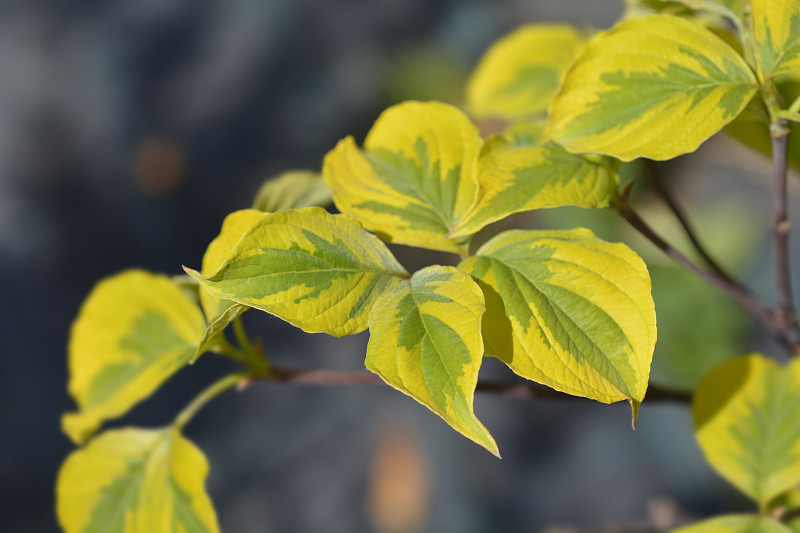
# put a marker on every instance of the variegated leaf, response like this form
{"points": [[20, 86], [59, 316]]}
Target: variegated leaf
{"points": [[518, 75], [776, 32], [135, 481], [514, 176], [319, 272], [291, 190], [744, 523], [641, 8], [745, 415], [425, 341], [655, 87], [568, 310], [132, 333], [732, 9], [413, 181], [234, 226], [752, 129], [209, 341]]}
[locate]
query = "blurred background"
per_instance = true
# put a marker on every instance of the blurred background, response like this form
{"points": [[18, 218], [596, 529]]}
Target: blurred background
{"points": [[130, 128]]}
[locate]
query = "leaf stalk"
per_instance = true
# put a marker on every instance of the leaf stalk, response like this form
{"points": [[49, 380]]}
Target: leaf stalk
{"points": [[208, 394]]}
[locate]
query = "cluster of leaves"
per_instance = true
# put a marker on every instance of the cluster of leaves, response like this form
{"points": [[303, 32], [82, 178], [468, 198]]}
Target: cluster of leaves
{"points": [[560, 307]]}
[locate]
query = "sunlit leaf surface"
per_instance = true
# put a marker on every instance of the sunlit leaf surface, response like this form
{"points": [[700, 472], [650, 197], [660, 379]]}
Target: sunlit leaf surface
{"points": [[133, 332], [568, 310], [425, 340], [655, 87], [319, 272], [135, 481]]}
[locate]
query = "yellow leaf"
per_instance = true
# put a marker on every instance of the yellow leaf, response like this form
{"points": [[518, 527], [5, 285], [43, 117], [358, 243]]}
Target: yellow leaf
{"points": [[132, 333], [291, 190], [413, 181], [655, 87], [745, 415], [641, 8], [515, 176], [135, 481], [234, 226], [776, 32], [425, 341], [732, 9], [751, 127], [567, 310], [520, 72], [319, 272], [736, 524]]}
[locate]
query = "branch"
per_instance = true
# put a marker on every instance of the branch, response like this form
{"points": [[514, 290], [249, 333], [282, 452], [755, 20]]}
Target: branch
{"points": [[522, 389], [785, 314], [786, 332], [738, 293], [680, 213]]}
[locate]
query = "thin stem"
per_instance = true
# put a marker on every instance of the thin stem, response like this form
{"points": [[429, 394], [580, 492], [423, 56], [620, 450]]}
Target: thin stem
{"points": [[220, 345], [211, 392], [254, 354], [746, 39], [794, 116], [741, 295], [525, 389], [241, 335], [795, 107], [683, 218], [785, 313]]}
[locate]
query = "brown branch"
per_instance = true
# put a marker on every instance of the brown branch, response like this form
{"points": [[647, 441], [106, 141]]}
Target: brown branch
{"points": [[683, 218], [522, 389], [788, 333], [740, 294], [785, 315]]}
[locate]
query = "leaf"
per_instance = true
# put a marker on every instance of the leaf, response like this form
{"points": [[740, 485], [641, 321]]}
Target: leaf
{"points": [[234, 226], [135, 480], [788, 505], [291, 190], [653, 87], [745, 416], [317, 271], [518, 75], [776, 32], [515, 177], [132, 333], [207, 343], [525, 133], [568, 310], [413, 181], [744, 523], [752, 130], [732, 9], [641, 8], [425, 341]]}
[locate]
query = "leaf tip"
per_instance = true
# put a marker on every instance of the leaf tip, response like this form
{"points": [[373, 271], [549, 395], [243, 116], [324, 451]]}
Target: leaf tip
{"points": [[488, 443], [634, 411], [77, 428]]}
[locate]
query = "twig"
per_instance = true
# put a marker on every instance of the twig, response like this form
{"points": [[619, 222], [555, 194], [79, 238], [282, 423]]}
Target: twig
{"points": [[785, 314], [680, 213], [525, 389], [738, 293], [213, 390]]}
